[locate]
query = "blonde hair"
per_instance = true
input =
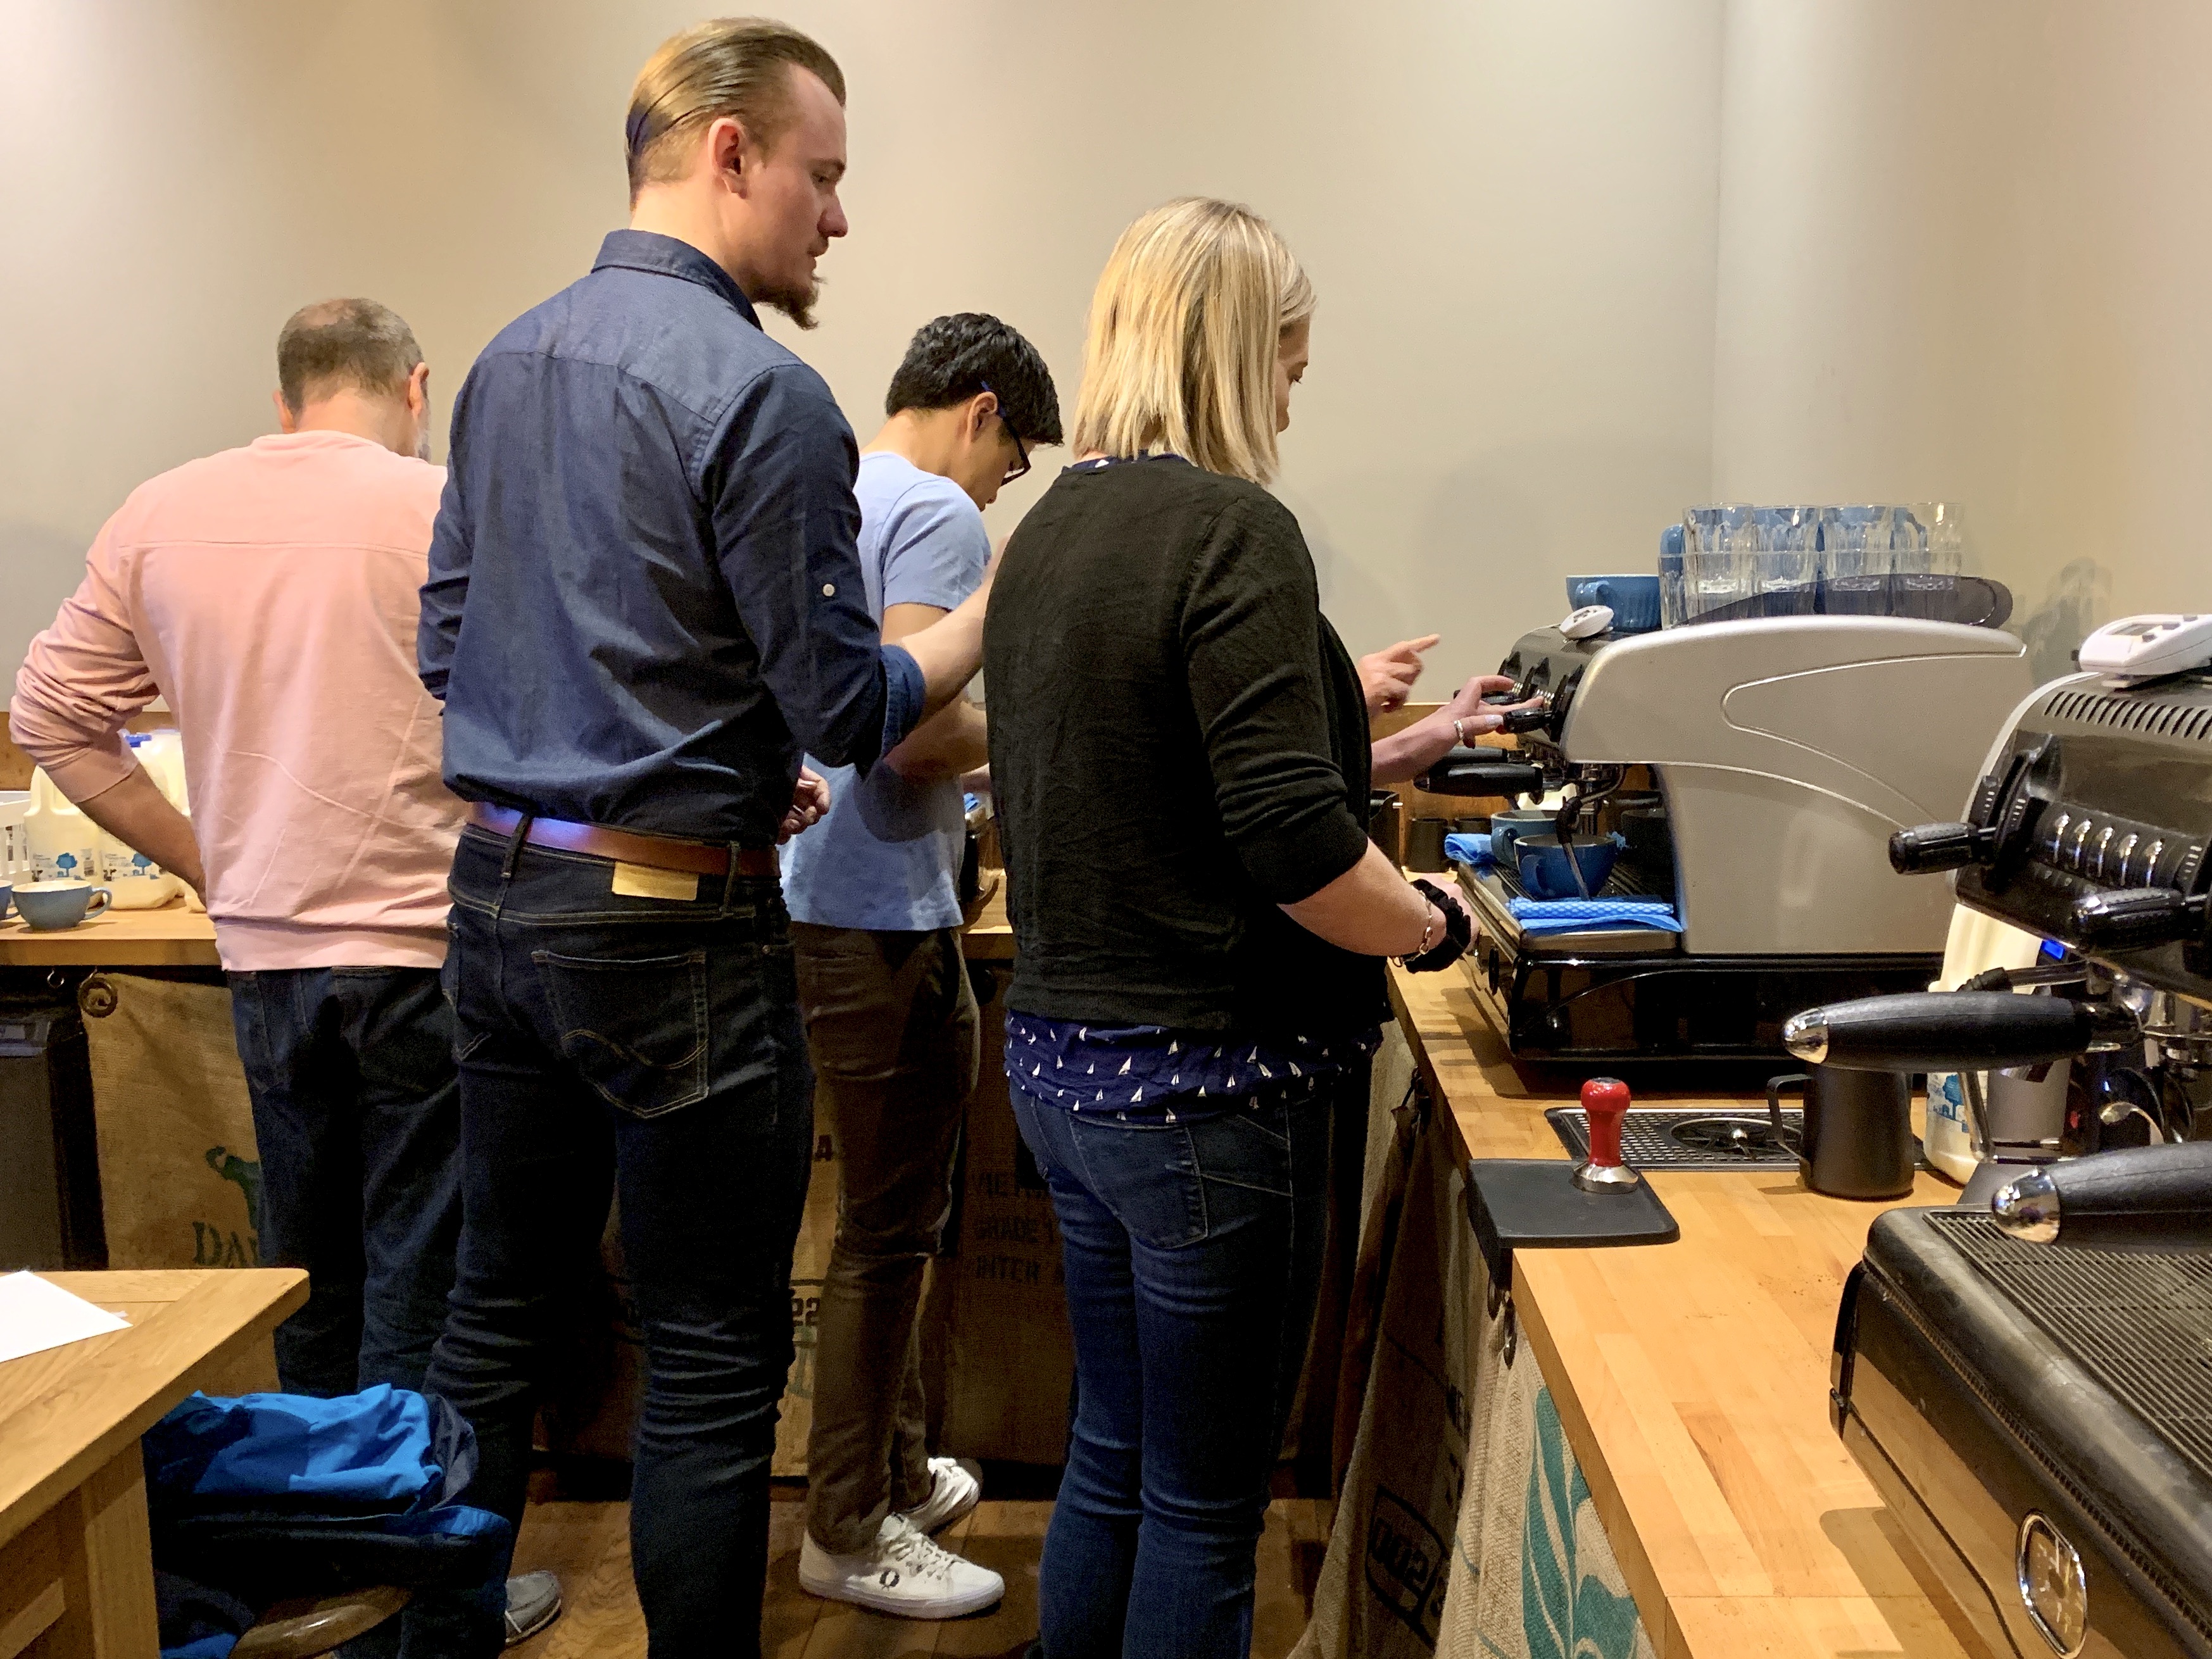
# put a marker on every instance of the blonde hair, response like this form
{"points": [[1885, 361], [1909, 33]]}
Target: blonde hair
{"points": [[1179, 353], [738, 67]]}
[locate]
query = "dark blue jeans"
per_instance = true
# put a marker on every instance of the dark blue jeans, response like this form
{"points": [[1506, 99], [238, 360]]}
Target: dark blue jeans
{"points": [[1192, 1252], [357, 1119], [649, 1049]]}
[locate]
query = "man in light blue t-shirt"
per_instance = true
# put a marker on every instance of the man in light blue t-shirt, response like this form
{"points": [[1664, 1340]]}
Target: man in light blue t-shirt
{"points": [[891, 1020]]}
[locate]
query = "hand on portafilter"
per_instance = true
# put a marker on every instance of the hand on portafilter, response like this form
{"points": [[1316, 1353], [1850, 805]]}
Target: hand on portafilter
{"points": [[1468, 713], [1459, 931]]}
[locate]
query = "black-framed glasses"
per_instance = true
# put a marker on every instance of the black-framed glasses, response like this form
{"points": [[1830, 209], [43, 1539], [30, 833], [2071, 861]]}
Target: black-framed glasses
{"points": [[1021, 450]]}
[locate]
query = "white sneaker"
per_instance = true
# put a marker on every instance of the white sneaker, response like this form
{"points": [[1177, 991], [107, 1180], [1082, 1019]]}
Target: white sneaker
{"points": [[907, 1575], [958, 1486]]}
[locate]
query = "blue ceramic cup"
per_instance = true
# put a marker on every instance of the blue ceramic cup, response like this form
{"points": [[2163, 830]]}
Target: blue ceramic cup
{"points": [[1508, 826], [1633, 600], [1545, 874], [6, 898], [50, 906]]}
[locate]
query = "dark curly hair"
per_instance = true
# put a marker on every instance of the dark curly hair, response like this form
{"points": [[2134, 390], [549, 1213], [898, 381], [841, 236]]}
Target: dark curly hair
{"points": [[950, 359]]}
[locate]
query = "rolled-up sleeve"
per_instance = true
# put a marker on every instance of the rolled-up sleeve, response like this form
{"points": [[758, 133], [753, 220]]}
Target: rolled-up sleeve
{"points": [[81, 682], [1251, 636], [785, 531]]}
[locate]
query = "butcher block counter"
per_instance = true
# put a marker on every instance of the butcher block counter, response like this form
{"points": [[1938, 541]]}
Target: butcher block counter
{"points": [[1692, 1379], [168, 936], [173, 936]]}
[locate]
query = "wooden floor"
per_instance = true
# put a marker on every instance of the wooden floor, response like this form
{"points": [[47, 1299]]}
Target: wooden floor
{"points": [[588, 1545]]}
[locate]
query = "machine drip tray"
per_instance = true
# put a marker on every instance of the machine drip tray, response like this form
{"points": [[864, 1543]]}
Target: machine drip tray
{"points": [[2134, 1319], [1674, 1138]]}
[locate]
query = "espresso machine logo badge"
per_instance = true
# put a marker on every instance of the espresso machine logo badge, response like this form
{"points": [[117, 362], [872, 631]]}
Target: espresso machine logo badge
{"points": [[2052, 1585]]}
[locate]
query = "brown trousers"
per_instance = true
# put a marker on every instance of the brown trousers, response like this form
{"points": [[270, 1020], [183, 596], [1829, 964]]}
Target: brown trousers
{"points": [[890, 1023]]}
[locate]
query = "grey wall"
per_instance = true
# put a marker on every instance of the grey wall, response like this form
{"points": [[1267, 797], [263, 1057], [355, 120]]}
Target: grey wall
{"points": [[1508, 208], [1579, 265]]}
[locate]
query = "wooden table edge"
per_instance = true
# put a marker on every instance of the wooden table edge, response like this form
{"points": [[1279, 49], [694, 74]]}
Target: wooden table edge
{"points": [[266, 1305]]}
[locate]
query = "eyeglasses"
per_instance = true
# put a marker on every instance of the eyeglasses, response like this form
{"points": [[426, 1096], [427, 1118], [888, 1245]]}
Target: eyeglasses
{"points": [[1021, 452]]}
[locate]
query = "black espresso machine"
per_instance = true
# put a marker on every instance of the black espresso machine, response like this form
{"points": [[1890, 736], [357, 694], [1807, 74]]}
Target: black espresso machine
{"points": [[2028, 1382]]}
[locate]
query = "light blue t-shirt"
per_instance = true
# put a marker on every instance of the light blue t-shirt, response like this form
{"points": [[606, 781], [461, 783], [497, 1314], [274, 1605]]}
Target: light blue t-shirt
{"points": [[887, 856]]}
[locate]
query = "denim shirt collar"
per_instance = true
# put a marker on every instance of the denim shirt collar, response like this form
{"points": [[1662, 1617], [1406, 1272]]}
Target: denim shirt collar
{"points": [[667, 256]]}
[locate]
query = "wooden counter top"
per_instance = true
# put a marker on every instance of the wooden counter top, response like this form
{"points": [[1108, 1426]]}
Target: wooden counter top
{"points": [[168, 936], [1692, 1380], [989, 936], [172, 936]]}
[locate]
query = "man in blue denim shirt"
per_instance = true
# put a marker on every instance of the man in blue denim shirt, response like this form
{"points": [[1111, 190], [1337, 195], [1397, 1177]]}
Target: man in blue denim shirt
{"points": [[643, 603]]}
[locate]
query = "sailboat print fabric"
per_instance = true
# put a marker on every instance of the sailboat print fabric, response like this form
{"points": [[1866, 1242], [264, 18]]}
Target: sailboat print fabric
{"points": [[1147, 1074]]}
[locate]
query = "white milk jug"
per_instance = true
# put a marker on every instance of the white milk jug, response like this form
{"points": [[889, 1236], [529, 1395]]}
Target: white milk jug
{"points": [[1976, 944], [137, 882], [63, 843]]}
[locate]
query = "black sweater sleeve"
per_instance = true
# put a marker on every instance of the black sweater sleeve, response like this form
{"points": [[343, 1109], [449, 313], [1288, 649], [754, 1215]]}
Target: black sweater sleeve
{"points": [[1252, 649]]}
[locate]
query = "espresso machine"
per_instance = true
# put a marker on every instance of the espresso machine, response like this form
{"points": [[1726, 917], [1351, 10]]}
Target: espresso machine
{"points": [[1757, 769], [2028, 1380]]}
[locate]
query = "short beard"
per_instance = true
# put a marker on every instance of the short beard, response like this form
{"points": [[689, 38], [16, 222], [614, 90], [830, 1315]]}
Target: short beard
{"points": [[798, 303]]}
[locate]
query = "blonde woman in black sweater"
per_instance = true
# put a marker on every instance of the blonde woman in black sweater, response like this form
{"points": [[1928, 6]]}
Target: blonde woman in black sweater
{"points": [[1180, 752]]}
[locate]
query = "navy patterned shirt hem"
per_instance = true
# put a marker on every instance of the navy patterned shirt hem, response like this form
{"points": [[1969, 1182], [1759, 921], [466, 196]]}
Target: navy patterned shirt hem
{"points": [[1147, 1074]]}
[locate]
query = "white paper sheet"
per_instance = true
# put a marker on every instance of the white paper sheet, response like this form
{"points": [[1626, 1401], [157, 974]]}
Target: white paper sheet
{"points": [[35, 1315]]}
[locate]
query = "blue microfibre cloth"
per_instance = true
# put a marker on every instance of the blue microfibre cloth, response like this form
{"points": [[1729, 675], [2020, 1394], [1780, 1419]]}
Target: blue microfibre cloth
{"points": [[1541, 916], [1468, 848]]}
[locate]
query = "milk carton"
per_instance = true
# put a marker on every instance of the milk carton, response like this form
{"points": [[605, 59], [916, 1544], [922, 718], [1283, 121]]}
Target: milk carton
{"points": [[64, 844], [15, 840], [137, 882]]}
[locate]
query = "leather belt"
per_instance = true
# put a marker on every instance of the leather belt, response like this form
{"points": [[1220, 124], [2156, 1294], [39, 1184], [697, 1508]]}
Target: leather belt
{"points": [[700, 858]]}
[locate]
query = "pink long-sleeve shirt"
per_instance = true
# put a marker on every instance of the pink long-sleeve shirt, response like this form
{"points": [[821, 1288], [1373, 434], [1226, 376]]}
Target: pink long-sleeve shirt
{"points": [[269, 594]]}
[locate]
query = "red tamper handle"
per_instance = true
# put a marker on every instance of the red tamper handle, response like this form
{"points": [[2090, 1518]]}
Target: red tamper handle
{"points": [[1605, 1099]]}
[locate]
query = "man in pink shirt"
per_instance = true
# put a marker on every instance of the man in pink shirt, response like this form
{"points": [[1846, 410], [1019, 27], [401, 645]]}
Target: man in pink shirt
{"points": [[269, 595]]}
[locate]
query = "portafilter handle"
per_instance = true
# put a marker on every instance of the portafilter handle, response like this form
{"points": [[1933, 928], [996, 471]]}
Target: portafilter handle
{"points": [[1469, 771], [2136, 918], [1953, 1031], [2144, 1197]]}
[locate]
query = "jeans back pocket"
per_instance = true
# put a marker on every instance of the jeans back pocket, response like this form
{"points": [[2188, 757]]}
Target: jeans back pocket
{"points": [[1148, 1176], [634, 1028]]}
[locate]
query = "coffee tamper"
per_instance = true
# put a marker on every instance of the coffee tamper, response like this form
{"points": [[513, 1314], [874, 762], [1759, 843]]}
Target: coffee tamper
{"points": [[1605, 1100]]}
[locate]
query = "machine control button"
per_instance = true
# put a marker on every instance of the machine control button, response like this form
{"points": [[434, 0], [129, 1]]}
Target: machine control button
{"points": [[2125, 851], [2075, 855]]}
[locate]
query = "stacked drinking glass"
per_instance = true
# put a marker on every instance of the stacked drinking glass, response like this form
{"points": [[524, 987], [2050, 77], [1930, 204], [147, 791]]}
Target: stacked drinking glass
{"points": [[1731, 561]]}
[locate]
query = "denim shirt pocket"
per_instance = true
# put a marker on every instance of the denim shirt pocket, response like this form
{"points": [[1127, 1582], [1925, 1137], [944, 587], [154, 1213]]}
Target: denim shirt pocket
{"points": [[636, 1028]]}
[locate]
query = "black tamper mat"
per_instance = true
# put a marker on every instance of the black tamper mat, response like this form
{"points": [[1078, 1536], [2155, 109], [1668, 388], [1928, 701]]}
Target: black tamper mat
{"points": [[1533, 1204]]}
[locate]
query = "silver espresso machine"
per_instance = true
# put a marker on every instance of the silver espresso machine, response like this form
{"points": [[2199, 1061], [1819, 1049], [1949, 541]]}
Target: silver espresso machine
{"points": [[2027, 1379], [1757, 769]]}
